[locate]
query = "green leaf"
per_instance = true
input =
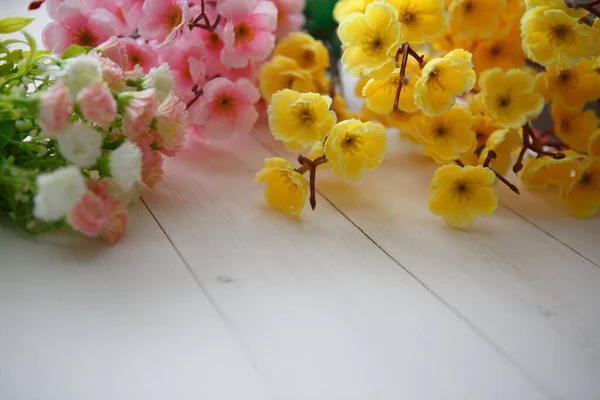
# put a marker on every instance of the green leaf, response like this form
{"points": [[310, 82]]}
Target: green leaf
{"points": [[14, 24], [16, 55], [7, 132], [73, 51]]}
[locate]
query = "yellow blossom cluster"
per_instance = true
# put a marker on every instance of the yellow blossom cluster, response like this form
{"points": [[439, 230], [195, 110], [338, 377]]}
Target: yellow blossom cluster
{"points": [[471, 80], [304, 121]]}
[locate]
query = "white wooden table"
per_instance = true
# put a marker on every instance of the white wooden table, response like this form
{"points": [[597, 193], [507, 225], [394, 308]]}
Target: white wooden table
{"points": [[214, 296]]}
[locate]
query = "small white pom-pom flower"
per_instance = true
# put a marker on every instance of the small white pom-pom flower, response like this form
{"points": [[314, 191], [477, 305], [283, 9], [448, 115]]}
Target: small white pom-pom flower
{"points": [[80, 72], [161, 79], [80, 144], [57, 193], [126, 165]]}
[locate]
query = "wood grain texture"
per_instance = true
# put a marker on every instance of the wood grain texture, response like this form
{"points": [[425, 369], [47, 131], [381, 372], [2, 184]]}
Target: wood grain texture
{"points": [[322, 311], [525, 291], [79, 321]]}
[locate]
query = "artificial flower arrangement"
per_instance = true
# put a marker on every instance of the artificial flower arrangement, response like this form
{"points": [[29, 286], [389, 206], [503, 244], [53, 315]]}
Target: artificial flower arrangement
{"points": [[77, 137], [86, 121], [464, 79]]}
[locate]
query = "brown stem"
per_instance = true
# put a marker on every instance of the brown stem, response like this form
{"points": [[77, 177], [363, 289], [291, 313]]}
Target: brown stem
{"points": [[491, 156], [195, 23], [34, 5], [404, 49], [311, 166], [526, 144], [506, 182], [591, 9], [197, 94]]}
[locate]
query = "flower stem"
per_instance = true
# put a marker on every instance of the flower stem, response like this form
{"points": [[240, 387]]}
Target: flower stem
{"points": [[404, 50], [491, 157], [195, 23], [311, 166]]}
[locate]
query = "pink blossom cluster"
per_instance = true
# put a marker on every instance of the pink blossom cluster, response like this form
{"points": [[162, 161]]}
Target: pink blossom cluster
{"points": [[214, 48]]}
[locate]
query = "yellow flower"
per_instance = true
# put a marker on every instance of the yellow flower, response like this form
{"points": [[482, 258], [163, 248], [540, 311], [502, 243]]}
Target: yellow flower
{"points": [[582, 195], [300, 119], [354, 147], [360, 85], [552, 37], [321, 82], [514, 9], [504, 142], [476, 18], [484, 127], [442, 80], [345, 7], [474, 102], [285, 189], [447, 135], [504, 52], [594, 147], [370, 40], [402, 121], [380, 94], [460, 194], [575, 128], [340, 109], [284, 73], [309, 53], [509, 97], [573, 87], [366, 115], [542, 5], [543, 172], [420, 20]]}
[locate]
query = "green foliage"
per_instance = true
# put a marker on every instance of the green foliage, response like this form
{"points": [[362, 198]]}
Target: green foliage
{"points": [[14, 24]]}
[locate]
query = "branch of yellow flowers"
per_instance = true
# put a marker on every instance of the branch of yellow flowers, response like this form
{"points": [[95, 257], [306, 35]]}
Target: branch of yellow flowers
{"points": [[405, 50], [310, 166]]}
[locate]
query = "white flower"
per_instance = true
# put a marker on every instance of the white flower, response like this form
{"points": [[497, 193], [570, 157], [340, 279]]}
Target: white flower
{"points": [[80, 72], [80, 144], [57, 193], [161, 79], [126, 165]]}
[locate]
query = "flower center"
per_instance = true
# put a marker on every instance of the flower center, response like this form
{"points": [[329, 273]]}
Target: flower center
{"points": [[462, 189], [560, 34], [84, 37], [373, 44], [308, 57], [172, 18], [468, 7], [586, 179], [304, 115], [213, 41], [440, 131], [496, 50], [225, 106], [503, 101], [287, 181], [244, 33], [408, 18], [352, 143]]}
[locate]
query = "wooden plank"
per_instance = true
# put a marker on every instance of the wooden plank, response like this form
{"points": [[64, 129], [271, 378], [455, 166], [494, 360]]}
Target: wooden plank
{"points": [[79, 320], [523, 290], [322, 311], [544, 210]]}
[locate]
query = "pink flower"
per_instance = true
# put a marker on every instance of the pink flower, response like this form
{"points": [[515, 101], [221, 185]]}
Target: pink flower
{"points": [[187, 66], [171, 120], [114, 50], [114, 229], [90, 215], [55, 108], [127, 13], [52, 8], [140, 108], [164, 20], [112, 74], [97, 104], [235, 8], [79, 26], [139, 53], [250, 37], [152, 162], [227, 108], [290, 16]]}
